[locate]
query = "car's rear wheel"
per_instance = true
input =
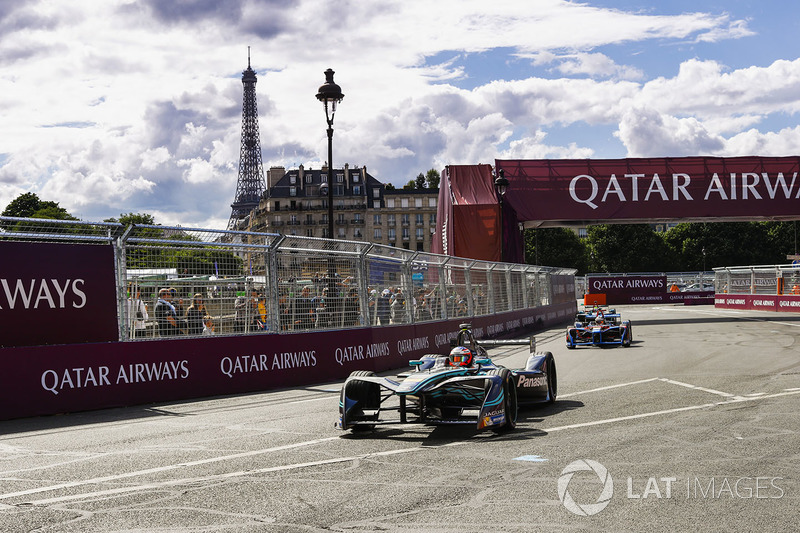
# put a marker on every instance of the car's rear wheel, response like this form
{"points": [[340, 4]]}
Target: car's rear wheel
{"points": [[510, 404]]}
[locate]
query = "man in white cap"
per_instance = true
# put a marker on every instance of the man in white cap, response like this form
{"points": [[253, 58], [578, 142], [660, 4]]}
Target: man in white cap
{"points": [[383, 307]]}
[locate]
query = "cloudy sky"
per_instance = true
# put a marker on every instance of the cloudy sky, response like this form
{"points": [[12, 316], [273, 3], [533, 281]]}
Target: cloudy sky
{"points": [[118, 106]]}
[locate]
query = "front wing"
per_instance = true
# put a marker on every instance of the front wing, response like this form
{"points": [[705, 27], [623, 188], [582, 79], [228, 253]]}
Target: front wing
{"points": [[367, 401], [591, 336]]}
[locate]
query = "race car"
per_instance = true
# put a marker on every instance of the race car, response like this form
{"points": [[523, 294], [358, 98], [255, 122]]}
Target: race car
{"points": [[463, 386], [599, 327]]}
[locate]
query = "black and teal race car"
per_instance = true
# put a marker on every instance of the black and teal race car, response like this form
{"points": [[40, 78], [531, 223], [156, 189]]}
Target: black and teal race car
{"points": [[461, 387], [599, 327]]}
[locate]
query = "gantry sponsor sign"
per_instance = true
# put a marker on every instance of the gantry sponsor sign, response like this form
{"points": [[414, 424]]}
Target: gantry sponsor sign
{"points": [[54, 293], [74, 377], [553, 192]]}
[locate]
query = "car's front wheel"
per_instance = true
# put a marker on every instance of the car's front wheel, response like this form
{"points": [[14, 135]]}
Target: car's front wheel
{"points": [[510, 405]]}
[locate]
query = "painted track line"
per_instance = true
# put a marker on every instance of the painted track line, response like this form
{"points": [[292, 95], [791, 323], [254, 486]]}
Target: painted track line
{"points": [[695, 387], [214, 477], [609, 387], [160, 469], [737, 399]]}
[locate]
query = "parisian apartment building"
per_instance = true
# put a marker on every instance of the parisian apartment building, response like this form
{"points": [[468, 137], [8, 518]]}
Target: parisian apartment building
{"points": [[296, 203]]}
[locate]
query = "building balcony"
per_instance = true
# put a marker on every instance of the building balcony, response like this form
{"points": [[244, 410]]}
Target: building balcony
{"points": [[293, 223], [276, 223], [357, 221]]}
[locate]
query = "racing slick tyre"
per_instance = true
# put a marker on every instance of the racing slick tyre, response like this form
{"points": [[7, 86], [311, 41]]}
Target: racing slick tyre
{"points": [[552, 379], [628, 336], [367, 395], [510, 399]]}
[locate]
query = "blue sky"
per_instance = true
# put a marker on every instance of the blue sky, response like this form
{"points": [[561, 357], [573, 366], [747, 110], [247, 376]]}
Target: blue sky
{"points": [[135, 105]]}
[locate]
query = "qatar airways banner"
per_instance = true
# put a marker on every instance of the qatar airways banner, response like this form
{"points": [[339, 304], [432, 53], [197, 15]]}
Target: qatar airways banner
{"points": [[53, 293], [758, 302], [547, 192], [628, 289], [66, 378]]}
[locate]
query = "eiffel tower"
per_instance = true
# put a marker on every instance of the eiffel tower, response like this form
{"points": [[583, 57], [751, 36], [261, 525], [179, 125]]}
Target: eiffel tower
{"points": [[250, 184]]}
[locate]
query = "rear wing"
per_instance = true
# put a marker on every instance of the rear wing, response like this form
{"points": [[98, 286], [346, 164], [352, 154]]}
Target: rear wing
{"points": [[493, 343]]}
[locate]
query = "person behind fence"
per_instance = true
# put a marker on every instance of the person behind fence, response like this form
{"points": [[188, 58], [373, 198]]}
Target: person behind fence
{"points": [[167, 319], [196, 315], [246, 311], [304, 311], [351, 308], [137, 314], [382, 305], [320, 310], [397, 306]]}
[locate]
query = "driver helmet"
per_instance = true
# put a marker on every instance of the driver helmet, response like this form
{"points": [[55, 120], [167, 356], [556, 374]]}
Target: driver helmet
{"points": [[461, 356], [600, 319]]}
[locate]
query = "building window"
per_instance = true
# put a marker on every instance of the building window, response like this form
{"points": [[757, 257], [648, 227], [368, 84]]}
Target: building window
{"points": [[417, 202], [357, 233], [339, 178], [406, 234], [431, 202], [378, 234], [420, 247], [390, 219], [342, 233], [357, 218], [355, 177], [390, 203], [404, 202], [376, 193], [277, 206], [405, 219], [420, 234], [308, 178], [309, 232], [419, 219], [292, 179], [376, 220], [392, 234], [357, 190], [432, 219], [340, 218], [292, 191]]}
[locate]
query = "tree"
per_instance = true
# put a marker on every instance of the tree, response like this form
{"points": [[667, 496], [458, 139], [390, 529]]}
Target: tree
{"points": [[555, 247], [134, 218], [28, 205], [626, 248], [410, 185], [388, 187], [420, 181], [433, 178]]}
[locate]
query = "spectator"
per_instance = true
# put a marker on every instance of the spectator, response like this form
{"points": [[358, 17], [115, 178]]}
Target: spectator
{"points": [[303, 310], [246, 311], [137, 314], [351, 308], [318, 304], [397, 307], [167, 319], [382, 305], [196, 315]]}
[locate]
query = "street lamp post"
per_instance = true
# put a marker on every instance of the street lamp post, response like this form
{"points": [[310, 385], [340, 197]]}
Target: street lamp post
{"points": [[501, 186], [330, 95]]}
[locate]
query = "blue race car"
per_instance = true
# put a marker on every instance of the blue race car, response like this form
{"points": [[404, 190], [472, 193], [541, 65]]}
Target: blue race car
{"points": [[462, 387], [599, 327]]}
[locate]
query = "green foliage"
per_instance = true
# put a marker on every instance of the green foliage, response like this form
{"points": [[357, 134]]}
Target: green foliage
{"points": [[389, 187], [626, 248], [555, 247], [420, 181], [133, 218], [433, 178]]}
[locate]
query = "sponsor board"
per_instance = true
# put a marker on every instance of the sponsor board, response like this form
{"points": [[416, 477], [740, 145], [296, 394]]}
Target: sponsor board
{"points": [[75, 377]]}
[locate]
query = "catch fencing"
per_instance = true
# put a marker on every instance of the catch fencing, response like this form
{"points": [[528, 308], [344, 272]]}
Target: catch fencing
{"points": [[236, 283], [760, 279]]}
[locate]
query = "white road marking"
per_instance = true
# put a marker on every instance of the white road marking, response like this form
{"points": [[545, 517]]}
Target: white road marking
{"points": [[216, 477], [163, 468], [704, 389], [737, 399], [607, 388], [731, 312]]}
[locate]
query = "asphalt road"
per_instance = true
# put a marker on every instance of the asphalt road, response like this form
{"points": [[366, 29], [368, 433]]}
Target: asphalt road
{"points": [[693, 428]]}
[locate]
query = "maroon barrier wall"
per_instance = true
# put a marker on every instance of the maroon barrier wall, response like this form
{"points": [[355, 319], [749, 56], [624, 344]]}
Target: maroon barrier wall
{"points": [[643, 290], [758, 302], [58, 379], [56, 293]]}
